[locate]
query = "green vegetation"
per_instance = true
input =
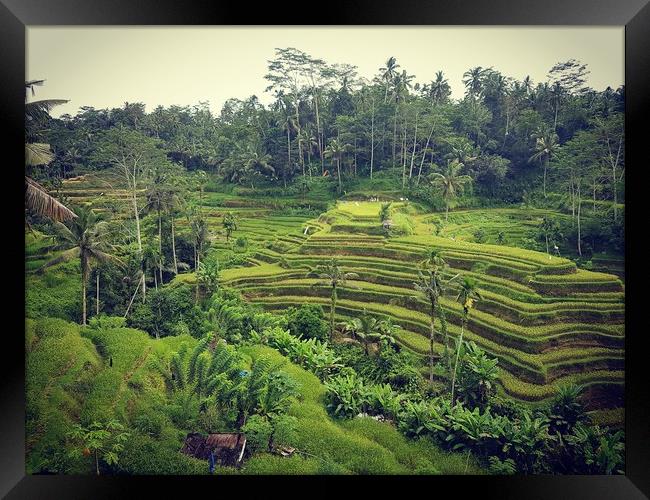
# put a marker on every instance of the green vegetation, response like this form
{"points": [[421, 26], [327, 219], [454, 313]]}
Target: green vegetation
{"points": [[296, 280]]}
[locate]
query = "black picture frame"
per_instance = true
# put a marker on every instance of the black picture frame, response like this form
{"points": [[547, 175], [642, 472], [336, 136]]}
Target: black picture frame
{"points": [[15, 15]]}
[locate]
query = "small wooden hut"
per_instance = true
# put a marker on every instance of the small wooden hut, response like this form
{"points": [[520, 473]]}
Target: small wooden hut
{"points": [[228, 447]]}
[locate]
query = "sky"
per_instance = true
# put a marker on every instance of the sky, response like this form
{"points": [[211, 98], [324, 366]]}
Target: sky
{"points": [[104, 67]]}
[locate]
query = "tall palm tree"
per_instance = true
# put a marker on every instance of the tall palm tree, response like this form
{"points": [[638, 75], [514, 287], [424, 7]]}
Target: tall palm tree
{"points": [[474, 79], [335, 150], [334, 276], [431, 284], [37, 199], [388, 74], [450, 184], [256, 163], [200, 235], [83, 238], [439, 89], [159, 198], [467, 295], [546, 146]]}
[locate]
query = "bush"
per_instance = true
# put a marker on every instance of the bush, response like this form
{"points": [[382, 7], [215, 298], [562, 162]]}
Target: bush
{"points": [[103, 321], [165, 308], [258, 432], [307, 322]]}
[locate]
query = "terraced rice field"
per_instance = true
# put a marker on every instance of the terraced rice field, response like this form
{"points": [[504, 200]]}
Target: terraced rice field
{"points": [[546, 321]]}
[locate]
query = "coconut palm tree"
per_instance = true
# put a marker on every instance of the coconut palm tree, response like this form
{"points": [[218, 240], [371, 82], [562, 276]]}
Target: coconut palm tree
{"points": [[256, 163], [351, 327], [335, 150], [439, 89], [473, 79], [546, 146], [151, 261], [200, 235], [388, 74], [450, 184], [207, 278], [467, 295], [37, 199], [334, 276], [229, 224], [83, 237], [369, 330], [431, 284]]}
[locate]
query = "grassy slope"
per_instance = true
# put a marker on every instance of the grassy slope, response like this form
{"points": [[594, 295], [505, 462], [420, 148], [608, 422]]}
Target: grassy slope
{"points": [[69, 380]]}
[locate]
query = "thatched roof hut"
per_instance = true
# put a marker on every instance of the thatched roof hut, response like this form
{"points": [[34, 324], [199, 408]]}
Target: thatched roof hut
{"points": [[228, 447]]}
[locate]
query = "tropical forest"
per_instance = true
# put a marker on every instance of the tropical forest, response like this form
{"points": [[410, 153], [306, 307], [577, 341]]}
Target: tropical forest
{"points": [[350, 275]]}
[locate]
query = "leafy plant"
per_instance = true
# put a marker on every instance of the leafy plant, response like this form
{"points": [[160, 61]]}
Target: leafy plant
{"points": [[101, 440]]}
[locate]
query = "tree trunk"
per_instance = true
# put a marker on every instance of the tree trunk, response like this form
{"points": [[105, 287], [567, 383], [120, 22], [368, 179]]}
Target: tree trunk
{"points": [[446, 211], [394, 135], [545, 166], [431, 339], [415, 138], [453, 379], [83, 298], [97, 300], [174, 247], [579, 205], [615, 193], [424, 154], [594, 195], [96, 462], [338, 170], [332, 310], [372, 137], [139, 238], [160, 254], [546, 238]]}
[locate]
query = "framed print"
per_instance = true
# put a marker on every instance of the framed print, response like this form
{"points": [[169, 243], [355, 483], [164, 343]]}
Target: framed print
{"points": [[395, 243]]}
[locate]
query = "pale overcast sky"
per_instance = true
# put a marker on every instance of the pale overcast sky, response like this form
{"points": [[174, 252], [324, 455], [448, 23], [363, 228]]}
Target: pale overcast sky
{"points": [[105, 66]]}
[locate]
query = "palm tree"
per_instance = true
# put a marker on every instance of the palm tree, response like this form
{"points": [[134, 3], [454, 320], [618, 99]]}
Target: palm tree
{"points": [[546, 146], [432, 286], [200, 235], [450, 183], [229, 224], [256, 163], [336, 150], [467, 295], [384, 212], [439, 89], [37, 199], [334, 276], [151, 261], [207, 277], [368, 330], [473, 79], [351, 327], [159, 198], [83, 238], [388, 74], [387, 331]]}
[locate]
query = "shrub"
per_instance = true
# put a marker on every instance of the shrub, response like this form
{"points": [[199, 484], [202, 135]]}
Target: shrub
{"points": [[480, 236], [307, 322], [258, 430], [346, 395], [103, 321]]}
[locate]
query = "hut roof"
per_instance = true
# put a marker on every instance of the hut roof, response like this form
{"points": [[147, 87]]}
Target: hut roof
{"points": [[227, 446]]}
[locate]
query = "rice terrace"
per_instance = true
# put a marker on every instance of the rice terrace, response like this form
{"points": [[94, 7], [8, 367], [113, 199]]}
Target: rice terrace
{"points": [[364, 276]]}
